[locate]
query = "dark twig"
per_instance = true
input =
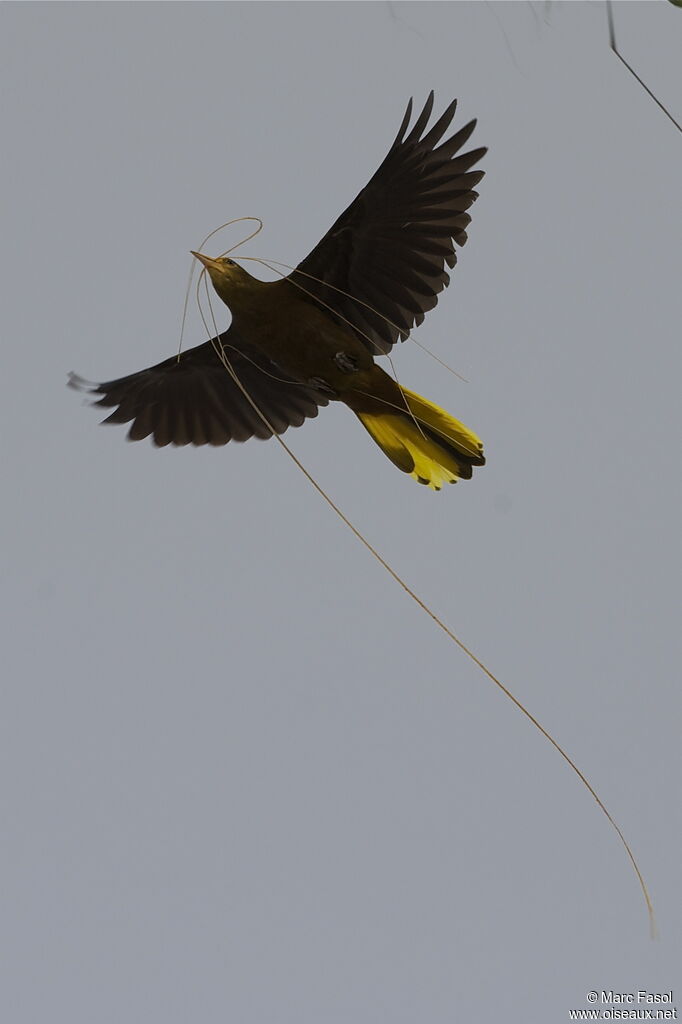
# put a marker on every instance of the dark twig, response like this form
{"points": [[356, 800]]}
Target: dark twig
{"points": [[612, 42]]}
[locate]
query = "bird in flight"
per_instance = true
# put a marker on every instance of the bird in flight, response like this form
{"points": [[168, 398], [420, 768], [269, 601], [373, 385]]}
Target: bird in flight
{"points": [[297, 343]]}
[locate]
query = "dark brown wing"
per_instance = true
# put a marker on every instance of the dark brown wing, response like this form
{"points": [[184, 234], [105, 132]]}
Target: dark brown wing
{"points": [[390, 247], [194, 400]]}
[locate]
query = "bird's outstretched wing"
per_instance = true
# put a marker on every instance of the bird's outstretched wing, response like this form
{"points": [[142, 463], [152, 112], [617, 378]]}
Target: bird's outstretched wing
{"points": [[390, 247], [194, 400]]}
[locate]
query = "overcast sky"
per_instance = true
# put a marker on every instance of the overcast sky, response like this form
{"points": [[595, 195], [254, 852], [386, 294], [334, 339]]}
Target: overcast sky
{"points": [[243, 777]]}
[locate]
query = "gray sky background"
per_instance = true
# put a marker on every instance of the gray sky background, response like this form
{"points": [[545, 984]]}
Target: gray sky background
{"points": [[243, 777]]}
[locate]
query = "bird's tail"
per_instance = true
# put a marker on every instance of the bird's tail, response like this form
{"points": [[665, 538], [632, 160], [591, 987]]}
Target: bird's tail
{"points": [[419, 437]]}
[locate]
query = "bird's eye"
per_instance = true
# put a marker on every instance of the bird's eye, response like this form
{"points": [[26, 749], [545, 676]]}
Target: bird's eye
{"points": [[228, 263]]}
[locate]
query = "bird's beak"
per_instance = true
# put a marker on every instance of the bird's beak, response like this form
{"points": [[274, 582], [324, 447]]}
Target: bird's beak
{"points": [[206, 260]]}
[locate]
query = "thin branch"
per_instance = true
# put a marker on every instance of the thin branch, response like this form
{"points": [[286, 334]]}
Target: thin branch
{"points": [[612, 43]]}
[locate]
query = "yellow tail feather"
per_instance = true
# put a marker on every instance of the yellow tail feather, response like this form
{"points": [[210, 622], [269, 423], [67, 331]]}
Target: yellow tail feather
{"points": [[427, 442]]}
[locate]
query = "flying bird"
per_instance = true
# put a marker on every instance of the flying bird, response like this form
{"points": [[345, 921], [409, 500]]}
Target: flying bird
{"points": [[297, 343]]}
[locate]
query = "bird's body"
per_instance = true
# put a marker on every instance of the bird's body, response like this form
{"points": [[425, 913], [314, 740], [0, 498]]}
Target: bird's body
{"points": [[287, 326], [300, 342]]}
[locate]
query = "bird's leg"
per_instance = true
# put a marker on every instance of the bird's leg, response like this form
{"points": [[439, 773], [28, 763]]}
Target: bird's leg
{"points": [[320, 384], [346, 363]]}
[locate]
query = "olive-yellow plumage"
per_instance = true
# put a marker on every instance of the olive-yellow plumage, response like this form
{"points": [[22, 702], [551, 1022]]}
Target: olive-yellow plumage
{"points": [[310, 338]]}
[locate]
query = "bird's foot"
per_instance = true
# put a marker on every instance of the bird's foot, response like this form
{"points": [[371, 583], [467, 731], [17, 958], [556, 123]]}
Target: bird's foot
{"points": [[346, 363], [321, 385]]}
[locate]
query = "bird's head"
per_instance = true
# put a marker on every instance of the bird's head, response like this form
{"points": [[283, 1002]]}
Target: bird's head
{"points": [[229, 279]]}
